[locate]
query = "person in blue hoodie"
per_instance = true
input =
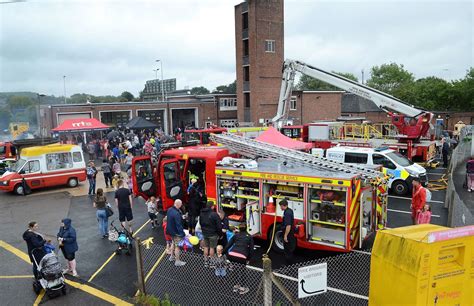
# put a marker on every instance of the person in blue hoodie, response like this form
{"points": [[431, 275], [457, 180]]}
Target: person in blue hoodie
{"points": [[68, 244]]}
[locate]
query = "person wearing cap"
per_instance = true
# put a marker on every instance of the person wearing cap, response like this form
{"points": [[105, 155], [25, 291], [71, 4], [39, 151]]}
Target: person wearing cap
{"points": [[289, 240]]}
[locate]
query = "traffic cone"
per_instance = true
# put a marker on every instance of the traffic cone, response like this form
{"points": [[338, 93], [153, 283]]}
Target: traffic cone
{"points": [[270, 205]]}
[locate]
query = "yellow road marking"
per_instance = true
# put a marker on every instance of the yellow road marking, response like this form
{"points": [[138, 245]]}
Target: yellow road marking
{"points": [[112, 256], [15, 276], [95, 292], [15, 251], [39, 297], [153, 269], [141, 227], [86, 288], [101, 267], [155, 266]]}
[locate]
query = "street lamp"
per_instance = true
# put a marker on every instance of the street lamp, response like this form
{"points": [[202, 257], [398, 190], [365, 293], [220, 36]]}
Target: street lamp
{"points": [[38, 116], [64, 80], [156, 78], [162, 85]]}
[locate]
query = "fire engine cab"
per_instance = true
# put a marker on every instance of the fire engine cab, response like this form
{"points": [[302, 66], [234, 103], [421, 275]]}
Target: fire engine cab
{"points": [[335, 206]]}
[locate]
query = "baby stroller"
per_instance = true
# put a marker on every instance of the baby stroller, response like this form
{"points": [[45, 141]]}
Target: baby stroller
{"points": [[50, 275], [469, 182], [122, 237]]}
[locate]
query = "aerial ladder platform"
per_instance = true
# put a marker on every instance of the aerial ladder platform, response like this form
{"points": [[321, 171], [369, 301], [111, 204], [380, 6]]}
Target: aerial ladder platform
{"points": [[254, 149]]}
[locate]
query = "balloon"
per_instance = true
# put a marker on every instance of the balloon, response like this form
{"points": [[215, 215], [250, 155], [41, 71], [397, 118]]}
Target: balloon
{"points": [[194, 240]]}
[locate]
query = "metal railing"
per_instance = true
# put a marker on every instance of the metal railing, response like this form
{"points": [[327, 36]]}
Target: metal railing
{"points": [[459, 213], [368, 131], [348, 278]]}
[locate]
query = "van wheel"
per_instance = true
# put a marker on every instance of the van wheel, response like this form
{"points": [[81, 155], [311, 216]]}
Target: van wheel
{"points": [[400, 188], [72, 182], [19, 189], [277, 244]]}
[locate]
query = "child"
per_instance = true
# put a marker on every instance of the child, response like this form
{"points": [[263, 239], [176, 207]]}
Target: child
{"points": [[220, 262], [151, 207], [168, 238], [424, 216], [48, 247], [130, 181], [116, 168]]}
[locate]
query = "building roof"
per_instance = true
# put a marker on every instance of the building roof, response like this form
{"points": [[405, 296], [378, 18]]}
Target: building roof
{"points": [[352, 103]]}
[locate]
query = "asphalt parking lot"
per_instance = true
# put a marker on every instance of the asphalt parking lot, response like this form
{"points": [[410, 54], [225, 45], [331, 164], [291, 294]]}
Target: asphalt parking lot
{"points": [[103, 276]]}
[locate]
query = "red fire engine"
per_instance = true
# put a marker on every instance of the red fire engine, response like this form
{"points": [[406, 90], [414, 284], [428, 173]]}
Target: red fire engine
{"points": [[336, 206]]}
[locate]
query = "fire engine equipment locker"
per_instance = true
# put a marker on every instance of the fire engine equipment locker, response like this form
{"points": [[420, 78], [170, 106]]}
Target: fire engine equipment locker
{"points": [[423, 265]]}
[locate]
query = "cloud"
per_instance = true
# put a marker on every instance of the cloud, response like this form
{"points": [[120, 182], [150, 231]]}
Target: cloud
{"points": [[106, 47]]}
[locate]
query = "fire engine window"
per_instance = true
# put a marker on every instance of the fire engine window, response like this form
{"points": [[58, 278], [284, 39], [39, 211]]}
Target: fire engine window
{"points": [[32, 166], [170, 173], [205, 138], [2, 150], [355, 158], [143, 170], [77, 157]]}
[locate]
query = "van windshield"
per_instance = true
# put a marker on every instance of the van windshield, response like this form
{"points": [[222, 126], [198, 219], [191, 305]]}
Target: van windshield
{"points": [[400, 159], [18, 165]]}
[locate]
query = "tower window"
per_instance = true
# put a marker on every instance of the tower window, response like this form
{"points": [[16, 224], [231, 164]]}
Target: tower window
{"points": [[270, 46]]}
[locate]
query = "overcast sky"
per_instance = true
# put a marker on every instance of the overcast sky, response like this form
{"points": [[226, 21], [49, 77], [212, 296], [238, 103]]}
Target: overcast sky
{"points": [[106, 47]]}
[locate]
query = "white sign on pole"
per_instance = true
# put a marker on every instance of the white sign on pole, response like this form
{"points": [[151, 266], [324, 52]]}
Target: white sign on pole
{"points": [[312, 280]]}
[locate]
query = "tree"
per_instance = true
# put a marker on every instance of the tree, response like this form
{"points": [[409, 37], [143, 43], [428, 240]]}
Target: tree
{"points": [[127, 96], [392, 79], [309, 83], [16, 103], [229, 89], [432, 93], [201, 90], [463, 92]]}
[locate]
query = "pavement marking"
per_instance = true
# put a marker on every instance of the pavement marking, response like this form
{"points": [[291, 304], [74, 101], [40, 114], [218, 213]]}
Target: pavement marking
{"points": [[15, 251], [140, 228], [39, 297], [113, 254], [155, 266], [97, 293], [101, 267], [409, 212], [405, 198], [86, 288], [15, 276]]}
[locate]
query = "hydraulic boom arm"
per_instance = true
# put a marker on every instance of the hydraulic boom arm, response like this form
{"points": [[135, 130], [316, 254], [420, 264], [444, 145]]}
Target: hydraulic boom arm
{"points": [[415, 128]]}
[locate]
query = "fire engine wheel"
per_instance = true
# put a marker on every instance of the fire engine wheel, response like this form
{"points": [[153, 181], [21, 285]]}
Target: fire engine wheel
{"points": [[277, 245], [19, 189], [400, 188], [72, 182]]}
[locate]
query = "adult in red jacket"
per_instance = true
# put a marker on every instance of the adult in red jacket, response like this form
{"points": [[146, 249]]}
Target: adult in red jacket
{"points": [[418, 199]]}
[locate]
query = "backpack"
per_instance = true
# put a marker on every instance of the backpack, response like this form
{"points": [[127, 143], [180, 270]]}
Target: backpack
{"points": [[428, 195]]}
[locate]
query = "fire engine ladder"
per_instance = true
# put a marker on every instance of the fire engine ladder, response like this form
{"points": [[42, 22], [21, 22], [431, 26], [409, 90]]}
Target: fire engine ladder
{"points": [[254, 149]]}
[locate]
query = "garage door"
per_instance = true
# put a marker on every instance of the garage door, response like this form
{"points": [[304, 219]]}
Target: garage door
{"points": [[62, 117]]}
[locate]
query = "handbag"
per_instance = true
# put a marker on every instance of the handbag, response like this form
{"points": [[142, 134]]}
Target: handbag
{"points": [[108, 210]]}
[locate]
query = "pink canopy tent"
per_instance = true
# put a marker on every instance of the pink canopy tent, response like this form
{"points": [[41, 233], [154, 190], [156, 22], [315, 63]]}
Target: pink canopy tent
{"points": [[272, 136]]}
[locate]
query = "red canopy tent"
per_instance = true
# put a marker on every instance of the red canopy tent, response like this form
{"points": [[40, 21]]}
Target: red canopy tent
{"points": [[272, 136], [80, 125]]}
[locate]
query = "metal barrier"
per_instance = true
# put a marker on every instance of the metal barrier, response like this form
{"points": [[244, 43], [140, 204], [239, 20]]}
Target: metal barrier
{"points": [[368, 131], [195, 284], [459, 214]]}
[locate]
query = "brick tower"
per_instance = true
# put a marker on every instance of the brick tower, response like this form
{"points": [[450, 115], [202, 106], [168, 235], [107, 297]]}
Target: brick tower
{"points": [[259, 44]]}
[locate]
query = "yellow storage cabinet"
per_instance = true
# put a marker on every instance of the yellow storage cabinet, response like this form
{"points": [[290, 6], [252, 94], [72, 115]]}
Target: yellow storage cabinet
{"points": [[423, 265]]}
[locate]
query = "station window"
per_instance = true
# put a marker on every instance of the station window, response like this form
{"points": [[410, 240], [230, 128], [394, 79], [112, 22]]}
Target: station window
{"points": [[270, 46], [293, 103], [226, 104]]}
